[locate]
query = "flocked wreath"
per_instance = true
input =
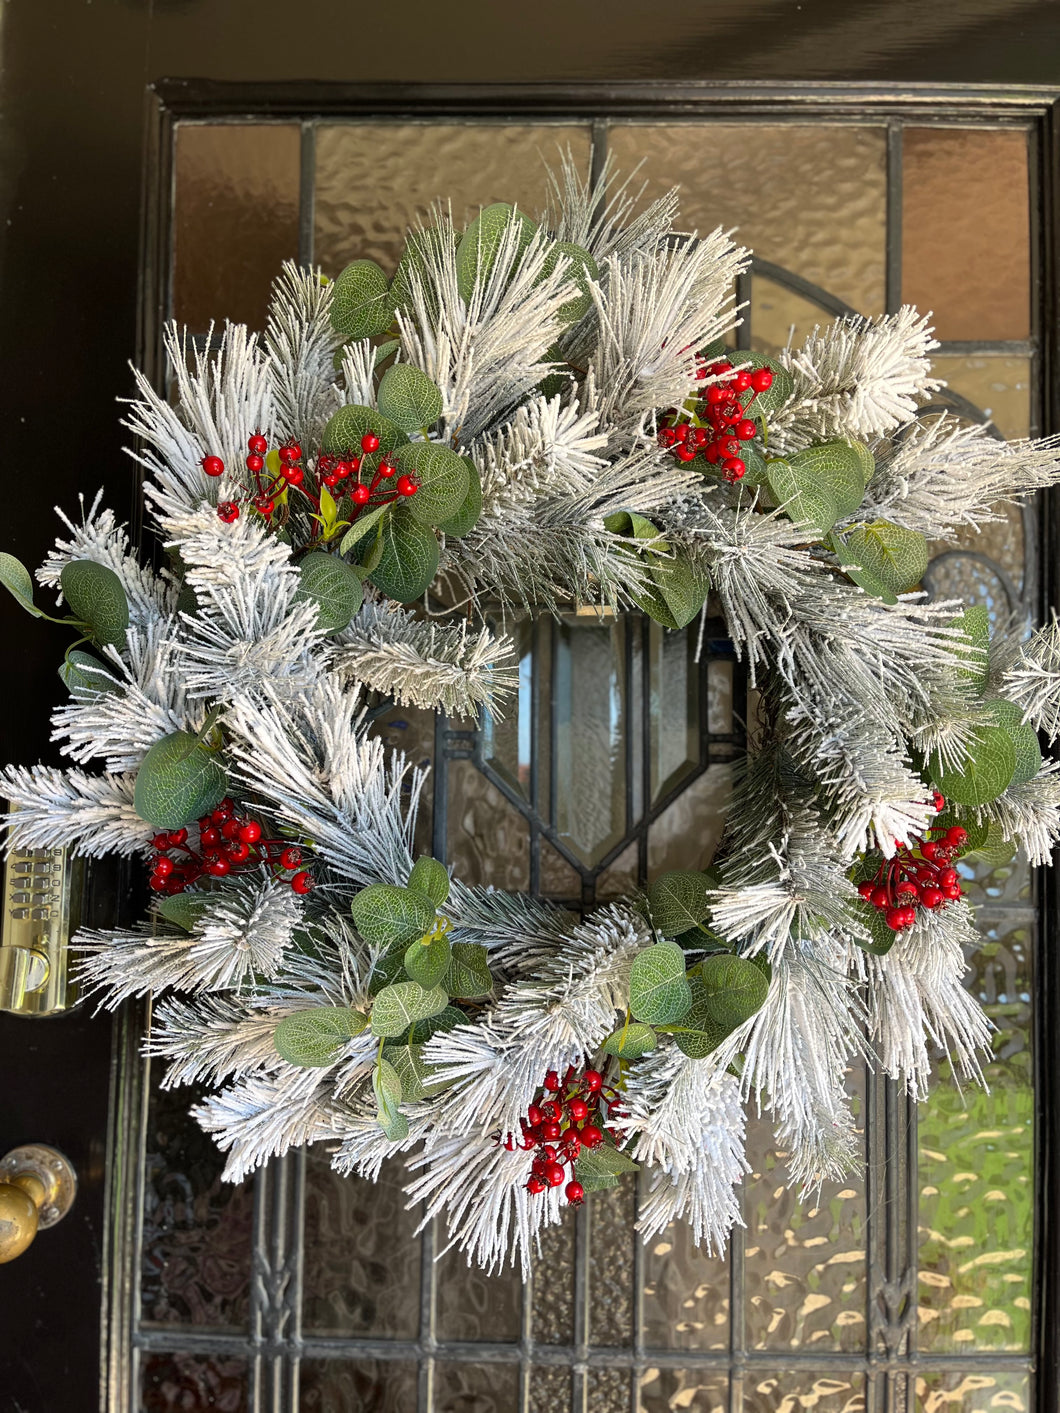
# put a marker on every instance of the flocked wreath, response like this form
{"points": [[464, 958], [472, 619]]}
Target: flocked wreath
{"points": [[531, 416]]}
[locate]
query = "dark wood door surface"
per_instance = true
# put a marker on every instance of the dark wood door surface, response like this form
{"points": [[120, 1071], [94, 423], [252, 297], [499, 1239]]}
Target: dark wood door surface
{"points": [[77, 104]]}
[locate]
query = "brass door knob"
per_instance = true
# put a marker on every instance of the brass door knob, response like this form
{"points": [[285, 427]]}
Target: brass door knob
{"points": [[37, 1189]]}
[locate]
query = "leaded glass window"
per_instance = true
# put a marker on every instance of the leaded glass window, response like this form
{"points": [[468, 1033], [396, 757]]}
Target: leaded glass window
{"points": [[908, 1287]]}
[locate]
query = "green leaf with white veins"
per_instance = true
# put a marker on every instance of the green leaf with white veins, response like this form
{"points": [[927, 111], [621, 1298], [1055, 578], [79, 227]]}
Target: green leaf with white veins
{"points": [[897, 557], [409, 398], [441, 478], [399, 1006], [677, 901], [803, 501], [986, 773], [408, 557], [836, 467], [427, 961], [735, 990], [600, 1168], [386, 1085], [630, 1041], [317, 1036], [659, 993], [430, 877], [361, 304], [1024, 738], [97, 597], [330, 583], [178, 781], [468, 977], [15, 577], [416, 1075], [388, 915]]}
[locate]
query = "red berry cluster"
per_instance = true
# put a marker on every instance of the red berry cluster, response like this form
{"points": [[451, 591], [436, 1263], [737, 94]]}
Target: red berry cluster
{"points": [[565, 1117], [228, 843], [329, 471], [723, 408], [918, 875]]}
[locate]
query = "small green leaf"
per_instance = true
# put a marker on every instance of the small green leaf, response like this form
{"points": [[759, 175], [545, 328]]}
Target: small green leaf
{"points": [[974, 624], [985, 774], [97, 598], [361, 303], [853, 569], [582, 270], [386, 1085], [389, 916], [836, 467], [882, 937], [1024, 738], [678, 900], [409, 398], [866, 460], [361, 526], [428, 962], [316, 1037], [430, 877], [185, 909], [178, 781], [343, 433], [468, 977], [893, 555], [677, 593], [415, 1074], [330, 583], [764, 404], [466, 518], [445, 1020], [735, 989], [408, 559], [477, 252], [805, 502], [630, 1041], [993, 849], [698, 1033], [384, 351], [659, 993], [15, 577], [630, 525], [600, 1168], [396, 1007], [85, 675], [441, 476]]}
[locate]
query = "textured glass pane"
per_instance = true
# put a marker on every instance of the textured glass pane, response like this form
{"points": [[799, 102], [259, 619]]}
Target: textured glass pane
{"points": [[719, 697], [973, 1393], [475, 1388], [779, 316], [362, 1262], [552, 1305], [967, 575], [368, 1385], [235, 218], [410, 730], [559, 879], [607, 1391], [174, 1383], [550, 1390], [621, 877], [966, 231], [197, 1230], [488, 840], [976, 1170], [809, 197], [674, 680], [661, 1390], [997, 384], [373, 179], [506, 739], [686, 834], [788, 1392], [686, 1295], [1002, 542], [611, 1280], [588, 693], [805, 1267], [995, 882], [472, 1305]]}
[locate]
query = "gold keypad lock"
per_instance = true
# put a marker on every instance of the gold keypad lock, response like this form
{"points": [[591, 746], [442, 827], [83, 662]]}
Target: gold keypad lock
{"points": [[42, 889]]}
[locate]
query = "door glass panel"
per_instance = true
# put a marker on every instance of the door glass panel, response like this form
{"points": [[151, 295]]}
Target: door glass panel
{"points": [[615, 763]]}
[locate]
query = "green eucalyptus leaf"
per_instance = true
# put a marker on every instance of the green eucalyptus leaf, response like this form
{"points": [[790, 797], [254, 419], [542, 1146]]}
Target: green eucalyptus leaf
{"points": [[602, 1167], [582, 271], [698, 1033], [415, 1074], [384, 351], [85, 676], [428, 962], [630, 525], [447, 1019], [466, 518], [804, 501], [630, 1041], [317, 1037], [185, 909], [361, 526], [893, 555], [408, 557], [659, 993], [677, 900], [881, 937], [477, 252], [853, 569], [441, 476], [345, 428], [409, 398], [735, 989], [430, 877], [838, 468], [1024, 738], [468, 977], [386, 1085], [986, 773], [396, 1007], [178, 781], [677, 593], [974, 624], [361, 303], [866, 460], [97, 598], [764, 404], [993, 849], [330, 583], [387, 915], [15, 577]]}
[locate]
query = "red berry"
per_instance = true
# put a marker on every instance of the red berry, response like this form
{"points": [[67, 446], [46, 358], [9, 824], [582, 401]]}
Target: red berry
{"points": [[931, 896], [551, 1131], [742, 381], [684, 452], [682, 432], [302, 882], [291, 858], [866, 889], [729, 446], [746, 429], [163, 866], [369, 443], [161, 842], [250, 832], [548, 1154], [178, 837], [209, 837], [293, 475], [700, 436], [575, 1193], [330, 480], [879, 897], [406, 486], [951, 891], [535, 1185], [733, 468], [265, 504], [716, 393], [218, 867], [238, 852], [572, 1143], [342, 470], [591, 1136], [939, 801], [712, 454], [895, 919], [948, 876], [721, 366], [593, 1081], [552, 1082], [228, 511], [257, 444], [578, 1110], [908, 888], [213, 466], [929, 850], [360, 495], [294, 452], [956, 837], [533, 1116], [762, 379], [667, 436], [255, 462], [554, 1174], [157, 883]]}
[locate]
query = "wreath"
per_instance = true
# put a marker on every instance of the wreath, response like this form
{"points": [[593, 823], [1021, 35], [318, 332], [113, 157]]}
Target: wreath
{"points": [[530, 416]]}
